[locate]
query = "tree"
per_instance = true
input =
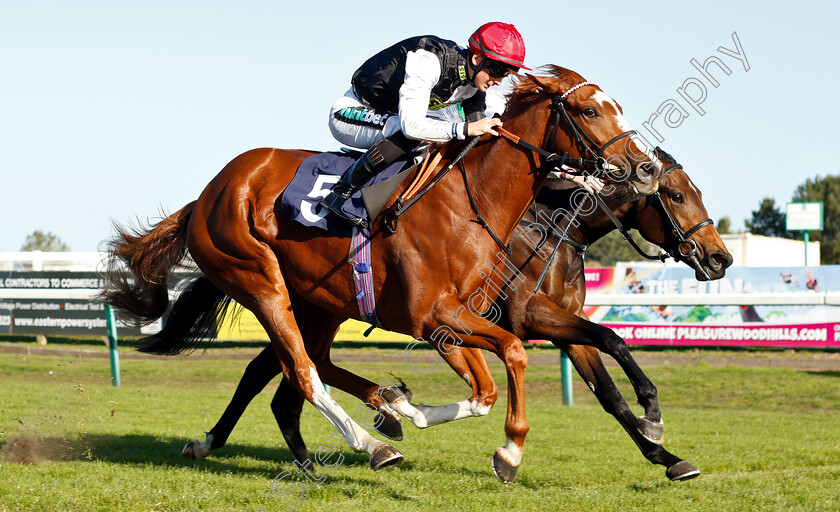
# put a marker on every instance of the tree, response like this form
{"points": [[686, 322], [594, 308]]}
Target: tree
{"points": [[47, 242], [826, 190], [768, 220], [724, 225], [614, 248]]}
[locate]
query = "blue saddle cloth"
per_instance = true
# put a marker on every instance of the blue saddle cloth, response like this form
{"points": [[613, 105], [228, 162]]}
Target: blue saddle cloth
{"points": [[313, 181]]}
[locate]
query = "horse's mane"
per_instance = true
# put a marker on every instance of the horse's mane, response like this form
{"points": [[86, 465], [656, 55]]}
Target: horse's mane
{"points": [[554, 79]]}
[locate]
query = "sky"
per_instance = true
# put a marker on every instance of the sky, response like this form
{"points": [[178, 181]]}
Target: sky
{"points": [[115, 111]]}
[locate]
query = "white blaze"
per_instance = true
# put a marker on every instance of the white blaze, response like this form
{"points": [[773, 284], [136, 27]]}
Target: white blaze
{"points": [[640, 148]]}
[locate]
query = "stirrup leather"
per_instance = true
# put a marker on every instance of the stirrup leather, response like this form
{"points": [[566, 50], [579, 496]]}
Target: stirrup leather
{"points": [[363, 169]]}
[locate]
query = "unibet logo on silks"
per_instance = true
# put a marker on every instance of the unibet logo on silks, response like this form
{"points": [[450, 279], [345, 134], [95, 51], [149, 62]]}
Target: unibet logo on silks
{"points": [[362, 115]]}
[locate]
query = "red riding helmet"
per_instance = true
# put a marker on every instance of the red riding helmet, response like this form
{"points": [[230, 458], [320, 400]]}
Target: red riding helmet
{"points": [[501, 42]]}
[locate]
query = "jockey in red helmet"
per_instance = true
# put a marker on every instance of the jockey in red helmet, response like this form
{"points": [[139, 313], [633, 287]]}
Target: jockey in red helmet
{"points": [[406, 94]]}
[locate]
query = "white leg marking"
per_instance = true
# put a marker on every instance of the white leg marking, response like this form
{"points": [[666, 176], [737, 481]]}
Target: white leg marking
{"points": [[422, 416], [356, 437], [511, 453], [199, 450]]}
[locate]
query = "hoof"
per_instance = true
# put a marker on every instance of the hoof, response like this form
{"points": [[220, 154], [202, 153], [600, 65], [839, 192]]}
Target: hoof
{"points": [[653, 431], [682, 470], [384, 456], [194, 450], [388, 427], [503, 471]]}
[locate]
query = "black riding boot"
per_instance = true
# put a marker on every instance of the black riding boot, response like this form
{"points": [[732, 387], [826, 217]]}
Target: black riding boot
{"points": [[367, 166]]}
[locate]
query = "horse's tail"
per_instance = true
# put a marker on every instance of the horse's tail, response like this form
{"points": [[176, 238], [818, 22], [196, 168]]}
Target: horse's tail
{"points": [[193, 319], [136, 283], [139, 265]]}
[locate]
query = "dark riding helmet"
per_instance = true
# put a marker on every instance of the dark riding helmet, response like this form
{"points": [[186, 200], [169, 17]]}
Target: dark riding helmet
{"points": [[501, 43]]}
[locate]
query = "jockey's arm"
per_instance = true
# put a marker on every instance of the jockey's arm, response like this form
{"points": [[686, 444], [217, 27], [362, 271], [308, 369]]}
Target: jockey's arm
{"points": [[422, 73]]}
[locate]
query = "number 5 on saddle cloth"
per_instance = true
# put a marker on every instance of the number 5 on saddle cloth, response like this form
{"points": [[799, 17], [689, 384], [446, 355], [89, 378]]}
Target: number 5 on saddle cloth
{"points": [[318, 173], [312, 182]]}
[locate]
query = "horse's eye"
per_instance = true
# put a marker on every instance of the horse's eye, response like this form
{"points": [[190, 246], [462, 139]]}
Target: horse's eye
{"points": [[590, 112], [677, 198]]}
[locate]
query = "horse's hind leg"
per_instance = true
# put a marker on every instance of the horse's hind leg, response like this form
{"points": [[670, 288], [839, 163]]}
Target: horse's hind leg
{"points": [[589, 365], [258, 284], [287, 406], [275, 316], [257, 375], [319, 330]]}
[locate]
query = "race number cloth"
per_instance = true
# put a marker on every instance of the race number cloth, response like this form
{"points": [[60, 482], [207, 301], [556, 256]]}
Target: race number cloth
{"points": [[313, 181]]}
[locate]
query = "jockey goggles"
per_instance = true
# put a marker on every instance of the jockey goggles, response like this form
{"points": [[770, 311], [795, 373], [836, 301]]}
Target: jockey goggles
{"points": [[498, 70]]}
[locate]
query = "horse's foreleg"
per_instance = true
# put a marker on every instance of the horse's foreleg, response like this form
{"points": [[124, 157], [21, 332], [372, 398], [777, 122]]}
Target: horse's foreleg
{"points": [[373, 396], [476, 332], [470, 365], [588, 363], [544, 319], [258, 374]]}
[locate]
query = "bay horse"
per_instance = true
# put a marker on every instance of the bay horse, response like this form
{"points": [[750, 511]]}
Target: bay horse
{"points": [[424, 273], [672, 216]]}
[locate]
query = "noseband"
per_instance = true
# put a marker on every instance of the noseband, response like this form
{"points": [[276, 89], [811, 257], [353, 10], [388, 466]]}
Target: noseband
{"points": [[684, 239]]}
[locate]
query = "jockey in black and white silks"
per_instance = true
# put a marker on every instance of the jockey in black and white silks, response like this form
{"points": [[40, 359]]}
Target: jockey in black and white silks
{"points": [[422, 89]]}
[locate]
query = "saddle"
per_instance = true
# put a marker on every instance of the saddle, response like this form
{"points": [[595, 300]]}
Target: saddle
{"points": [[318, 173]]}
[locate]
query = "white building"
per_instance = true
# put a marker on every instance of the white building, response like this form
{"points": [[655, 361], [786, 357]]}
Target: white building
{"points": [[750, 250]]}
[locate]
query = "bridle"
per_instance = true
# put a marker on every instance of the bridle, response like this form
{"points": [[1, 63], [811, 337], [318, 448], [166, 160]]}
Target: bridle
{"points": [[684, 239], [596, 163], [582, 139]]}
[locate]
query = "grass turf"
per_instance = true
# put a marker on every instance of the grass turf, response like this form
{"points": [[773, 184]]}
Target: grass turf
{"points": [[764, 438]]}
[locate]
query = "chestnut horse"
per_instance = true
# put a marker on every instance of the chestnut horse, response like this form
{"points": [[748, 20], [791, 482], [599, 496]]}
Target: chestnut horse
{"points": [[424, 274], [674, 215]]}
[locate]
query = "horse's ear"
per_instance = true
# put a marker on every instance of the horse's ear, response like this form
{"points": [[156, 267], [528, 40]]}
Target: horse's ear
{"points": [[663, 155]]}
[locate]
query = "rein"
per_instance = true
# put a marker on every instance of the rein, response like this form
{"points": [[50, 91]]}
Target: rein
{"points": [[478, 214], [400, 208], [598, 164], [552, 158], [560, 240]]}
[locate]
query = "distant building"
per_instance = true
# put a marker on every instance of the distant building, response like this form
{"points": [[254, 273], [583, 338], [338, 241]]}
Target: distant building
{"points": [[750, 250]]}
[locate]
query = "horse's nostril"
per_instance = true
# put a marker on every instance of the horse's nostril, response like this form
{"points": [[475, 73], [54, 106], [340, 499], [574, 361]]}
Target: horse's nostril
{"points": [[721, 259], [647, 168]]}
